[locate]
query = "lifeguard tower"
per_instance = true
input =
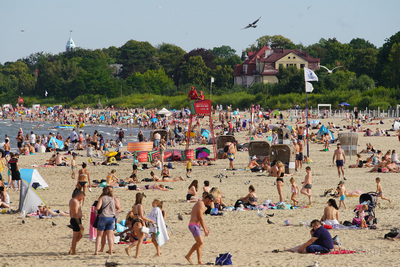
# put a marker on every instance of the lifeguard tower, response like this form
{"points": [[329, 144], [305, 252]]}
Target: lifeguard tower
{"points": [[201, 108]]}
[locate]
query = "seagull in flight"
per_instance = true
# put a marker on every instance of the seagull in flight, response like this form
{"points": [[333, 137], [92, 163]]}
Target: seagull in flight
{"points": [[252, 25], [22, 30], [330, 71]]}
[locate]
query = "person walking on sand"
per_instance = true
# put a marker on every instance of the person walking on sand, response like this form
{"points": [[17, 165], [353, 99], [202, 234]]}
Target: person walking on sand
{"points": [[379, 191], [231, 155], [340, 160], [307, 184], [342, 194], [197, 220], [75, 212]]}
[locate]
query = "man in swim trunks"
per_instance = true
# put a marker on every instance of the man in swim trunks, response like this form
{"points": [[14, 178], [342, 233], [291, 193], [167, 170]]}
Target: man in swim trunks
{"points": [[231, 155], [75, 213], [340, 157], [197, 220], [307, 184]]}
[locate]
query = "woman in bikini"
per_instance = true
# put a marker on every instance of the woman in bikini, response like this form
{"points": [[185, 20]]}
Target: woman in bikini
{"points": [[279, 179], [331, 213], [217, 194], [251, 198], [165, 176], [192, 192], [111, 179], [139, 220], [83, 179]]}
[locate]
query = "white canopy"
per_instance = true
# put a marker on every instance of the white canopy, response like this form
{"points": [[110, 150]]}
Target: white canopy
{"points": [[165, 112]]}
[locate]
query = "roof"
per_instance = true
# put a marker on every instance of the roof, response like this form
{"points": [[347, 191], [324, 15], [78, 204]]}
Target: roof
{"points": [[280, 53], [269, 66]]}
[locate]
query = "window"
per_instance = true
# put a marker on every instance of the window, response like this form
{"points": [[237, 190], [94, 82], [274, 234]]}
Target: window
{"points": [[280, 65], [302, 66], [294, 57], [288, 57]]}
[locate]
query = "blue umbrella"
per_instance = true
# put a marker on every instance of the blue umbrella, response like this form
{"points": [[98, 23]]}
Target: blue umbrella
{"points": [[344, 104], [154, 120]]}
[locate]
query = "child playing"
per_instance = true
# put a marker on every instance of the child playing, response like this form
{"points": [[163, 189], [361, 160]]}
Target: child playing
{"points": [[379, 191], [361, 215], [295, 191], [306, 190], [342, 194], [206, 187], [73, 165], [189, 168]]}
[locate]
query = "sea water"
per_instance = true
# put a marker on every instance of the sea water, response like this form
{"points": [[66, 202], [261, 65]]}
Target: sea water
{"points": [[39, 128]]}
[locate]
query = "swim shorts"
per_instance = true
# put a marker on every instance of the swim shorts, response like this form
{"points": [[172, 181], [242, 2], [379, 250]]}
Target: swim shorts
{"points": [[75, 224], [195, 229], [231, 157], [308, 186], [339, 163], [342, 197]]}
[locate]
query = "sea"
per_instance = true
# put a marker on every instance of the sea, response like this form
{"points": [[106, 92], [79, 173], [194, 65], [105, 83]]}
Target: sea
{"points": [[39, 128]]}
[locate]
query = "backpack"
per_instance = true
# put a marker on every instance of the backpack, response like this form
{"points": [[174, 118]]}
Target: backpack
{"points": [[224, 259]]}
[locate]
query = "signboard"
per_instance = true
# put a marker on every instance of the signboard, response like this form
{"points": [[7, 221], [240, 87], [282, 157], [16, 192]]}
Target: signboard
{"points": [[201, 107]]}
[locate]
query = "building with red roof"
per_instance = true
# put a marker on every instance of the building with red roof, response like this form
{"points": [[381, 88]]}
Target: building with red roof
{"points": [[263, 65]]}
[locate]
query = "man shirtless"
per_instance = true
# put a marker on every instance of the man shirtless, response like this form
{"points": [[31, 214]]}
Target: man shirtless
{"points": [[307, 184], [300, 134], [340, 160], [231, 155], [75, 213], [60, 160], [197, 220]]}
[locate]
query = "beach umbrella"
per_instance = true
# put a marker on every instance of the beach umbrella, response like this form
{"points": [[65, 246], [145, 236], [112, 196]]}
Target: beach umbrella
{"points": [[235, 112], [344, 104], [187, 111], [202, 152], [154, 120], [276, 112]]}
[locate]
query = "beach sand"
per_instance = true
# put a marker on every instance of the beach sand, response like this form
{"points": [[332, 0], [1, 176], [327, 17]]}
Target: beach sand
{"points": [[249, 238]]}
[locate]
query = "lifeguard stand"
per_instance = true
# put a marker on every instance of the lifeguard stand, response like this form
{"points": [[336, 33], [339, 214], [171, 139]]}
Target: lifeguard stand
{"points": [[201, 108]]}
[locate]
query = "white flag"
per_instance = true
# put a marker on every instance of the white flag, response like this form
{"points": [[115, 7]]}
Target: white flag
{"points": [[309, 75], [212, 79], [45, 94], [309, 87]]}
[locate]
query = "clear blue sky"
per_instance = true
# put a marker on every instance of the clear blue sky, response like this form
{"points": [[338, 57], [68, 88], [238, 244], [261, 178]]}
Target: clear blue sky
{"points": [[187, 23]]}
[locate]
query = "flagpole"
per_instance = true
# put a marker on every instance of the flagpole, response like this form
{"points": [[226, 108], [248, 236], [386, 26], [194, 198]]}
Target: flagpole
{"points": [[308, 149]]}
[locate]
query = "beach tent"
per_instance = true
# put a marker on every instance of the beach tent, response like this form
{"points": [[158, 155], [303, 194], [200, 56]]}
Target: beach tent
{"points": [[165, 112], [323, 130], [59, 143], [344, 104], [32, 176], [29, 199]]}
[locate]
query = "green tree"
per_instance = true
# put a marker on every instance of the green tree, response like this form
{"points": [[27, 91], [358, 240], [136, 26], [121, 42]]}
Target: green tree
{"points": [[170, 57], [138, 57], [223, 76], [274, 40], [194, 71]]}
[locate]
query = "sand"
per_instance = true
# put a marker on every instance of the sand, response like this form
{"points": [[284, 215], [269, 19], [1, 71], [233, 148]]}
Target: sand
{"points": [[249, 238]]}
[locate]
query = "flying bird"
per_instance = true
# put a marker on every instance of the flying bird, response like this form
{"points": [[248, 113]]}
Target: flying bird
{"points": [[330, 71], [22, 30], [252, 25], [308, 7], [159, 6]]}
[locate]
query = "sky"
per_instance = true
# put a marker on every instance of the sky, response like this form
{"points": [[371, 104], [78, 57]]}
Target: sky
{"points": [[27, 26]]}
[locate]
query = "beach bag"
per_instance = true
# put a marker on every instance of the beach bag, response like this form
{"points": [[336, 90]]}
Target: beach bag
{"points": [[224, 259], [145, 230], [356, 221]]}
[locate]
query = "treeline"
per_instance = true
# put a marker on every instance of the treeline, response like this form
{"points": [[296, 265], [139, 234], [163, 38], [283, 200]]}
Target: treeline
{"points": [[369, 77]]}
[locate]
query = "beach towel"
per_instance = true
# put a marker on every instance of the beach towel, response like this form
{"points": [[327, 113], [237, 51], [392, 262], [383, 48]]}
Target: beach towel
{"points": [[338, 252], [160, 230]]}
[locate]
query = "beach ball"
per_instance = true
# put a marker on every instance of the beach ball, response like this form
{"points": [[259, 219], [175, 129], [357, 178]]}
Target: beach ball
{"points": [[287, 222]]}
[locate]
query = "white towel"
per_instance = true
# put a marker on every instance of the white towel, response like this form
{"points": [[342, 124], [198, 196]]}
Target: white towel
{"points": [[161, 230]]}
